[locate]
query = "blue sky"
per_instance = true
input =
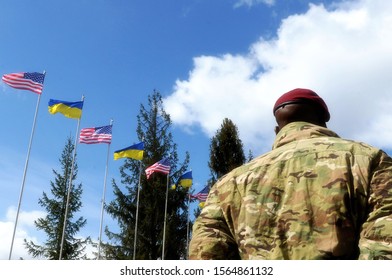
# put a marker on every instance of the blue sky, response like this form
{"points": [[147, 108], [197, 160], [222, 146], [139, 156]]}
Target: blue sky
{"points": [[209, 60]]}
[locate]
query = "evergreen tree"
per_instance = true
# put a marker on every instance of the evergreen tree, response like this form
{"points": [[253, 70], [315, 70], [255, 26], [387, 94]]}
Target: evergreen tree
{"points": [[153, 129], [226, 151], [53, 223], [250, 155]]}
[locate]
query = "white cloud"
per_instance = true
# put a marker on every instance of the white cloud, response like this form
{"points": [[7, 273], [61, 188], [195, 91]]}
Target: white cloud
{"points": [[343, 54]]}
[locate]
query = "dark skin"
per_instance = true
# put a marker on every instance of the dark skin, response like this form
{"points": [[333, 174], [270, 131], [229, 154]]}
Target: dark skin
{"points": [[304, 112]]}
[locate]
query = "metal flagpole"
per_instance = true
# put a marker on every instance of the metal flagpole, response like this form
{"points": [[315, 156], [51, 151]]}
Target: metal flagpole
{"points": [[137, 211], [24, 173], [187, 222], [164, 223], [69, 188], [103, 200], [187, 225]]}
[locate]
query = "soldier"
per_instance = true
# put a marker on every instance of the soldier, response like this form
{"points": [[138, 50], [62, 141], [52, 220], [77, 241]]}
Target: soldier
{"points": [[313, 196]]}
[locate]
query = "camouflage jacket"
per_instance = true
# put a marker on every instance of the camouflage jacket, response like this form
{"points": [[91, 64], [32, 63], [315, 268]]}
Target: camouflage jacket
{"points": [[313, 196]]}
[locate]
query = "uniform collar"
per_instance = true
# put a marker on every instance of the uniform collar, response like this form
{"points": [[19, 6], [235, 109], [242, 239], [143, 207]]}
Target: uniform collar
{"points": [[300, 130]]}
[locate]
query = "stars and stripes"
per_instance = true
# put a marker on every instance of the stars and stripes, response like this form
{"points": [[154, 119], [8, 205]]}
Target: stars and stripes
{"points": [[26, 81], [162, 166], [203, 194], [95, 135]]}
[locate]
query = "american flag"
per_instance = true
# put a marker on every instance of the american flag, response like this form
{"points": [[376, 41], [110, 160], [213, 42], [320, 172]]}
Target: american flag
{"points": [[162, 166], [95, 135], [202, 195], [28, 81]]}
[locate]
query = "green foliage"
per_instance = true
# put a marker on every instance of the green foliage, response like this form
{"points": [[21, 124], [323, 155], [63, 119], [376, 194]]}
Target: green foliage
{"points": [[154, 130], [226, 150], [250, 155], [226, 153], [53, 223]]}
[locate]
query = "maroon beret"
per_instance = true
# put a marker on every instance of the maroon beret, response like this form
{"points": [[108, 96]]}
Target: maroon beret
{"points": [[301, 95]]}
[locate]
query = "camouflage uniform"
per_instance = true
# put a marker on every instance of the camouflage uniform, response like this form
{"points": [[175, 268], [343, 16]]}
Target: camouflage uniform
{"points": [[314, 196]]}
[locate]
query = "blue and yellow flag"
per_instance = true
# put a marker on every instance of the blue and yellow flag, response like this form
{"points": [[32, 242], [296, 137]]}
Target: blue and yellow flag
{"points": [[71, 110], [135, 151], [185, 180]]}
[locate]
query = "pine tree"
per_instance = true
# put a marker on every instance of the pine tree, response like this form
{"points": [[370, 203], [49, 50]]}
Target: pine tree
{"points": [[226, 150], [53, 223], [250, 155], [226, 153], [153, 129]]}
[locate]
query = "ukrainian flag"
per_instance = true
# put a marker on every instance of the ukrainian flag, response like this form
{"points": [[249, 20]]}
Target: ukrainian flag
{"points": [[71, 110], [135, 151], [185, 180]]}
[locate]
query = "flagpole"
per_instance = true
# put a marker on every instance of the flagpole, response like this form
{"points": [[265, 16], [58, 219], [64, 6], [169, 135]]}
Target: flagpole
{"points": [[164, 223], [103, 200], [187, 226], [24, 173], [187, 223], [137, 210], [69, 187]]}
